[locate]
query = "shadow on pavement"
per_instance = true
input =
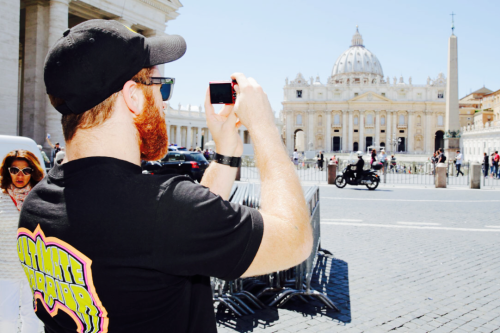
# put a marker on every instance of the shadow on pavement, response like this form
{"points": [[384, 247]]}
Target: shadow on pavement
{"points": [[330, 276]]}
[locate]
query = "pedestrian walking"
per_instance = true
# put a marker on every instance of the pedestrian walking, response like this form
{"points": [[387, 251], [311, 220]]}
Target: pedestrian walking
{"points": [[441, 157], [486, 162], [458, 162], [383, 160], [20, 171], [55, 149], [496, 161], [295, 157], [46, 159], [321, 159], [373, 156], [492, 162], [393, 163]]}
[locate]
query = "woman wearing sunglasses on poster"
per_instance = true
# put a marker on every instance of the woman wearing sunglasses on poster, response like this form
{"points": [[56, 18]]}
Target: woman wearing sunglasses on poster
{"points": [[20, 171]]}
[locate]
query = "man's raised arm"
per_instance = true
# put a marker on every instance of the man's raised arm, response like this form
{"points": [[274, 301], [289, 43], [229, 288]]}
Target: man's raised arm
{"points": [[224, 128], [287, 239]]}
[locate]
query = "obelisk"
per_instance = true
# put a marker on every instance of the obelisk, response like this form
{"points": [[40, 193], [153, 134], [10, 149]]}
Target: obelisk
{"points": [[452, 125]]}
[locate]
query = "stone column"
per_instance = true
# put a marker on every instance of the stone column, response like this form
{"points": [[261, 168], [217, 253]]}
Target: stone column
{"points": [[351, 131], [409, 145], [361, 144], [388, 130], [34, 92], [377, 127], [189, 135], [198, 141], [9, 67], [428, 132], [58, 23], [328, 146], [310, 131], [289, 131], [395, 127], [178, 135], [345, 128]]}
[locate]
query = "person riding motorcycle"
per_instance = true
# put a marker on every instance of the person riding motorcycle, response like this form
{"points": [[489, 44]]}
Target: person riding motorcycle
{"points": [[359, 166]]}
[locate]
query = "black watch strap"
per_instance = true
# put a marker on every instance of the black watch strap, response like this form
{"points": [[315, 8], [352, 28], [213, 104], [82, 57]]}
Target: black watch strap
{"points": [[234, 162]]}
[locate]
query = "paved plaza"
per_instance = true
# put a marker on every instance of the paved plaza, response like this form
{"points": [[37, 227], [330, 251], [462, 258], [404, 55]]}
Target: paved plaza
{"points": [[405, 260]]}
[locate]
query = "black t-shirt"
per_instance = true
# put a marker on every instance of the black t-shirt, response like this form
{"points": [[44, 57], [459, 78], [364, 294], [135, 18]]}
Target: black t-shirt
{"points": [[106, 248], [442, 157]]}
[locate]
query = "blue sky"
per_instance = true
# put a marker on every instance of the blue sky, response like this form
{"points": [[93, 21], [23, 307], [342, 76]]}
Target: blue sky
{"points": [[275, 39]]}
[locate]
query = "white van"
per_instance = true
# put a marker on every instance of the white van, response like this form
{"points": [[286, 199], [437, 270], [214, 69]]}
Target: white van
{"points": [[9, 143]]}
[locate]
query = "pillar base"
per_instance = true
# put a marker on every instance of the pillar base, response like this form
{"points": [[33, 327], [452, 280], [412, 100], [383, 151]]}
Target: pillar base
{"points": [[475, 176], [440, 177], [451, 145]]}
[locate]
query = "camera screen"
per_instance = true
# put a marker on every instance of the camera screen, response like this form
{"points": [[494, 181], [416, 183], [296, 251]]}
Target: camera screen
{"points": [[221, 93]]}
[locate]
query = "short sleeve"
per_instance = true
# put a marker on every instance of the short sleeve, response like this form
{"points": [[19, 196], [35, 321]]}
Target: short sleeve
{"points": [[201, 234]]}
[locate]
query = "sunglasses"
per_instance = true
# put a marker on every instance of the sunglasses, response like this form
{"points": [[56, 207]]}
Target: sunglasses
{"points": [[167, 86], [26, 171]]}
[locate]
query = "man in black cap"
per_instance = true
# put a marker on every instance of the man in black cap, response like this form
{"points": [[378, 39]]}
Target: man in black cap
{"points": [[107, 249]]}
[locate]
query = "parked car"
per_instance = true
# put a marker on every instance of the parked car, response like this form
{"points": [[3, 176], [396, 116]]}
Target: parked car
{"points": [[176, 148], [188, 163]]}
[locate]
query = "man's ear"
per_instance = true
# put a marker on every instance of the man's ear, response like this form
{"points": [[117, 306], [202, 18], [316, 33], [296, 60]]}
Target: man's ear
{"points": [[133, 96]]}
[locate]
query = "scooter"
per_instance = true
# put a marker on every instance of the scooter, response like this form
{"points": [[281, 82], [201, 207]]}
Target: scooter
{"points": [[370, 178]]}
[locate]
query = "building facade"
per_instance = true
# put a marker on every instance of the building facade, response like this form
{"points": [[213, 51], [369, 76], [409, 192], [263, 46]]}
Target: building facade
{"points": [[481, 134], [30, 27], [358, 108]]}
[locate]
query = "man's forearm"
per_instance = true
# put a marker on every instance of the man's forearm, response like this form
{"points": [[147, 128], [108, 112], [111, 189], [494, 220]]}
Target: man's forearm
{"points": [[219, 179], [281, 192]]}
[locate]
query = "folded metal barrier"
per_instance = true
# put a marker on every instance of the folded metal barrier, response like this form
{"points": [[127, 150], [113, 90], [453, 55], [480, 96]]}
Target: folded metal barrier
{"points": [[241, 295]]}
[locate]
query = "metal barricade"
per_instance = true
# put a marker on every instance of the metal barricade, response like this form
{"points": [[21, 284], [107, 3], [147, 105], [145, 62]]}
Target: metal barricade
{"points": [[307, 170], [241, 295]]}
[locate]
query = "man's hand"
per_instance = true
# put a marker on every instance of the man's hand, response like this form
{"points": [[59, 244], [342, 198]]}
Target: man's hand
{"points": [[252, 105], [224, 128]]}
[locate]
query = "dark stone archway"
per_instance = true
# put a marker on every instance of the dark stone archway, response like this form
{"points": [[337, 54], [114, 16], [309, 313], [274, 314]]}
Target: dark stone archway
{"points": [[439, 140]]}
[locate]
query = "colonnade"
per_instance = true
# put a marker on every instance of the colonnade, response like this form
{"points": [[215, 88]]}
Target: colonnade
{"points": [[191, 136], [416, 137]]}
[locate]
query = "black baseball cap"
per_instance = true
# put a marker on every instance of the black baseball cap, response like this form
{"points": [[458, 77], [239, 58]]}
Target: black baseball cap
{"points": [[94, 59]]}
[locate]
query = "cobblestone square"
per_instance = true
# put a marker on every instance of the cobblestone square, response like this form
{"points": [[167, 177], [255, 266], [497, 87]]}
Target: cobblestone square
{"points": [[405, 260]]}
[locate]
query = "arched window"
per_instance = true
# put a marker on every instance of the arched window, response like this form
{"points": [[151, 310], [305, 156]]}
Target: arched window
{"points": [[355, 146], [355, 120], [382, 121], [320, 120], [401, 119], [440, 120], [299, 120], [369, 119], [336, 119], [382, 144]]}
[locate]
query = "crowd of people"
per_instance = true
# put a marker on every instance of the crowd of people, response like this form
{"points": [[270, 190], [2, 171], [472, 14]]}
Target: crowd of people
{"points": [[490, 165]]}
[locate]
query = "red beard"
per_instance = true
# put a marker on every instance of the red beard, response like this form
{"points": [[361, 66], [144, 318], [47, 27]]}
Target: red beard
{"points": [[152, 129]]}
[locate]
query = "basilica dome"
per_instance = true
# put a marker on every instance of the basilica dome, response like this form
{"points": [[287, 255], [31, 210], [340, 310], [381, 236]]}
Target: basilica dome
{"points": [[357, 59]]}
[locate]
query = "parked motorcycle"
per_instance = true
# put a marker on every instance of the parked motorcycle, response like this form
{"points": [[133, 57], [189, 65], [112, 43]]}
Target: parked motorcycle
{"points": [[369, 178]]}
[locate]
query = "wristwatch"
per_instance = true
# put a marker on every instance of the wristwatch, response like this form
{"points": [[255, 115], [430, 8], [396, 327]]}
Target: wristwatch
{"points": [[232, 161]]}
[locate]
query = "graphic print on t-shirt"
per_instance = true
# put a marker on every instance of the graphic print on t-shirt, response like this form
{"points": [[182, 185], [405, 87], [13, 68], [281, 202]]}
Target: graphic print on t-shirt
{"points": [[61, 278]]}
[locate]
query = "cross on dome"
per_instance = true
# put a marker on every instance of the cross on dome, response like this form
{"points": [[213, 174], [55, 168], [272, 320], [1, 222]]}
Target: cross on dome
{"points": [[357, 40]]}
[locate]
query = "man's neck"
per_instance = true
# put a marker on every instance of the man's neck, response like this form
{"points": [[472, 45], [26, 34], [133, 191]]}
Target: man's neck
{"points": [[112, 139]]}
